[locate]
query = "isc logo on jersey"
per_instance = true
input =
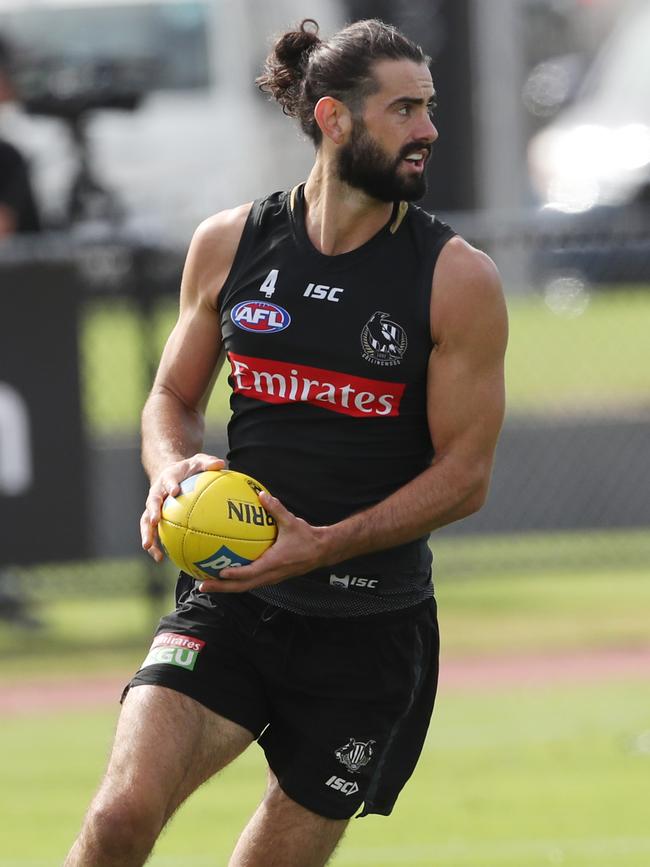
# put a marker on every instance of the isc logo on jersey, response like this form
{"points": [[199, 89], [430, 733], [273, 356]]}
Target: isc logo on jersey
{"points": [[260, 317]]}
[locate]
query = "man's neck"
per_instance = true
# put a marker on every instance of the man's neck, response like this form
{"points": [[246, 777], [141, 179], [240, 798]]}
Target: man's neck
{"points": [[340, 218]]}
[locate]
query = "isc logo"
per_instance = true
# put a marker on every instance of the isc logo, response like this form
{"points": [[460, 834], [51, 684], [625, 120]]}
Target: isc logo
{"points": [[260, 316], [346, 787], [249, 513], [356, 581], [320, 291]]}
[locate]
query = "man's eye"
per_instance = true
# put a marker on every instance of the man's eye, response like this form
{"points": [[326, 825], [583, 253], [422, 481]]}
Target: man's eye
{"points": [[405, 109], [432, 108]]}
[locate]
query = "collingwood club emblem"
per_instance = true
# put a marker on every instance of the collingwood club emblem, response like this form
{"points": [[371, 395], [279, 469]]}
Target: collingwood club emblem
{"points": [[355, 754], [383, 341]]}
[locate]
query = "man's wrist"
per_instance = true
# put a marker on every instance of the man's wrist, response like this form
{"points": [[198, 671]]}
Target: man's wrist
{"points": [[331, 544]]}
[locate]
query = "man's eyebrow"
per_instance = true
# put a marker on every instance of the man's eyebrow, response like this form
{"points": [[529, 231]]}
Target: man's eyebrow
{"points": [[413, 100]]}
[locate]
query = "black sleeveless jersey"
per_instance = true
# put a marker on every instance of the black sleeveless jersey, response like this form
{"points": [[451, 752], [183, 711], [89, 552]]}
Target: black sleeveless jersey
{"points": [[328, 364]]}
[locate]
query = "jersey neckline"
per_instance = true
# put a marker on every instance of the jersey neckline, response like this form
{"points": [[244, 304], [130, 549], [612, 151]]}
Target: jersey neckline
{"points": [[296, 207]]}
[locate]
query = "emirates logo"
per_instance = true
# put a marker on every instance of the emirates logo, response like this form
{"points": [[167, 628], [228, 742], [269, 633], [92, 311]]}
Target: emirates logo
{"points": [[280, 382]]}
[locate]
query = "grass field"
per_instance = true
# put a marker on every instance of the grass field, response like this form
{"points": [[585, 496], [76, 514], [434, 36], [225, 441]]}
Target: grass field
{"points": [[511, 775], [599, 361], [516, 777], [96, 617]]}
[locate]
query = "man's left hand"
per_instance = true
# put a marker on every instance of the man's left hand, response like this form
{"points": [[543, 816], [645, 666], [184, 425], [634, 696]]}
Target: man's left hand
{"points": [[298, 549]]}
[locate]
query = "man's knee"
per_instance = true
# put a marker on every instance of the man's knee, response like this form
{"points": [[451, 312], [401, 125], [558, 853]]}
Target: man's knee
{"points": [[122, 827]]}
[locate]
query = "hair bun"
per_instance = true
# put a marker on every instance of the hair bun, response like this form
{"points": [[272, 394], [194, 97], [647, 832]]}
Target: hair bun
{"points": [[285, 66], [295, 46]]}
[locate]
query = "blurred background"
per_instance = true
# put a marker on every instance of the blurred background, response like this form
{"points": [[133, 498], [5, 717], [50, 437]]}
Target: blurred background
{"points": [[123, 124]]}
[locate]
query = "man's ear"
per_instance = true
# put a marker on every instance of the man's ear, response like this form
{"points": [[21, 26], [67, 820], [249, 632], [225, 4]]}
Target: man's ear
{"points": [[334, 119]]}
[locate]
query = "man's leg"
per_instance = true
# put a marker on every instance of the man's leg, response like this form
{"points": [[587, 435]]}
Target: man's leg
{"points": [[281, 833], [166, 745]]}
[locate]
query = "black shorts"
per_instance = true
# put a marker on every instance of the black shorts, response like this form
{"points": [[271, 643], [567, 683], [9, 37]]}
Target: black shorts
{"points": [[341, 706]]}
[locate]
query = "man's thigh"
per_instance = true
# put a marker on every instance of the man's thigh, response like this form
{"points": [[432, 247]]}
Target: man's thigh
{"points": [[166, 745], [205, 649]]}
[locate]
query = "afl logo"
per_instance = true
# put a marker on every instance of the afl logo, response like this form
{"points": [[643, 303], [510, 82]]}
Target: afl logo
{"points": [[260, 317], [383, 341]]}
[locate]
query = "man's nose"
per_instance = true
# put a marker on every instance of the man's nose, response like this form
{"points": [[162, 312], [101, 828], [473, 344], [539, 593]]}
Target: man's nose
{"points": [[429, 129]]}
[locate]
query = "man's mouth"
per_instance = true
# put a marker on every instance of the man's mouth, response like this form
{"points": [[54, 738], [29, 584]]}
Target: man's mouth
{"points": [[417, 158]]}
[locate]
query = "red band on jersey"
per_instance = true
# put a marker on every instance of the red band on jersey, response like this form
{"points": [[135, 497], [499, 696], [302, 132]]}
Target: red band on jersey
{"points": [[279, 382], [173, 639]]}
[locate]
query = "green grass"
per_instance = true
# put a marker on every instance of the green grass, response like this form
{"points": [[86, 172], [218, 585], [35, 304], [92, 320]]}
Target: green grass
{"points": [[599, 361], [517, 777], [96, 617], [520, 776], [489, 614]]}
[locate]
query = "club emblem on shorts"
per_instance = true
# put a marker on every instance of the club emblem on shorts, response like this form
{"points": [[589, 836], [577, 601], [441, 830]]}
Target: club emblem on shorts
{"points": [[383, 341], [355, 754]]}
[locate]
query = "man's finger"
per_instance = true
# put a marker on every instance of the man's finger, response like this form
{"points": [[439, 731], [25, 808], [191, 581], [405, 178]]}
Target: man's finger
{"points": [[238, 574], [207, 462], [275, 508]]}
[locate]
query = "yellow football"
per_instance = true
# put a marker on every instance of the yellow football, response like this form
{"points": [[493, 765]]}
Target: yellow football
{"points": [[216, 521]]}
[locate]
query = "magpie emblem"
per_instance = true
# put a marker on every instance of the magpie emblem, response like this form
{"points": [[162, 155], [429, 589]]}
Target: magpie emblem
{"points": [[383, 341], [355, 754]]}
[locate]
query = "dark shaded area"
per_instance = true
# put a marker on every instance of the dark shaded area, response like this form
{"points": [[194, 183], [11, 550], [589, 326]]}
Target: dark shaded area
{"points": [[442, 28]]}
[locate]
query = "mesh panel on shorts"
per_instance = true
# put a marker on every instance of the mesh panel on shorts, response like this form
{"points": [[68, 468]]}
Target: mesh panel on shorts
{"points": [[302, 596]]}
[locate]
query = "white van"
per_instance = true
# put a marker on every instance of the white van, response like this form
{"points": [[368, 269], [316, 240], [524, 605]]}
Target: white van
{"points": [[203, 139], [596, 152]]}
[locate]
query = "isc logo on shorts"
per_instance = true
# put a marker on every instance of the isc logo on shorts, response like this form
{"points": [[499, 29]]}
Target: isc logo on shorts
{"points": [[346, 787], [260, 317]]}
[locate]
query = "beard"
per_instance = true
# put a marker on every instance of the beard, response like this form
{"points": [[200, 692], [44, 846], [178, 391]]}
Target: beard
{"points": [[364, 164]]}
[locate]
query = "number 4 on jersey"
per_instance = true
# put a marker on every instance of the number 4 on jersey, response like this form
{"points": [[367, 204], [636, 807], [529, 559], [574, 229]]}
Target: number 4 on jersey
{"points": [[268, 286]]}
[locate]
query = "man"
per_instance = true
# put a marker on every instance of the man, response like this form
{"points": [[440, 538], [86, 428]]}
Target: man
{"points": [[18, 212], [368, 397]]}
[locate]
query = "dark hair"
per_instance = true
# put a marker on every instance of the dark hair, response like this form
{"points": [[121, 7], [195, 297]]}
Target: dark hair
{"points": [[302, 68]]}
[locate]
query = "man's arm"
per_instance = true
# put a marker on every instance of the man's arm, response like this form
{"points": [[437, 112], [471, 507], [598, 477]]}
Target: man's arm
{"points": [[465, 407], [173, 416]]}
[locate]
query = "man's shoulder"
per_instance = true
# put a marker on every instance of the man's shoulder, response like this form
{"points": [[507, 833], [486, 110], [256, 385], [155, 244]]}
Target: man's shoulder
{"points": [[223, 225], [466, 289], [227, 225], [427, 221], [461, 262], [429, 233]]}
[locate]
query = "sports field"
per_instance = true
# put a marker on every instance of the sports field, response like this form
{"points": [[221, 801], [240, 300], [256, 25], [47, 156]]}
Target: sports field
{"points": [[598, 361], [539, 752]]}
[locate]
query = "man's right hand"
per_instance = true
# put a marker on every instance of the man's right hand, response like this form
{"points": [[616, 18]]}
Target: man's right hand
{"points": [[168, 484]]}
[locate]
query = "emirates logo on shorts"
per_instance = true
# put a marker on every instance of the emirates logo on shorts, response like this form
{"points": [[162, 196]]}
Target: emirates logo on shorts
{"points": [[383, 341], [355, 754]]}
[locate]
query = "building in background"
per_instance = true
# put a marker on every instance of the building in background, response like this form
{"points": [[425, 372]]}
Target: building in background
{"points": [[596, 152], [170, 115]]}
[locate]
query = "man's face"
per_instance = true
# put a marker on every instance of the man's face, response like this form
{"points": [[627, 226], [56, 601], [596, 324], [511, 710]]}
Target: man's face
{"points": [[390, 142]]}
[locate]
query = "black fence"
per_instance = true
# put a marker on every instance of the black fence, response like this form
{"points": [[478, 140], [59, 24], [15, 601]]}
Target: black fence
{"points": [[83, 321]]}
